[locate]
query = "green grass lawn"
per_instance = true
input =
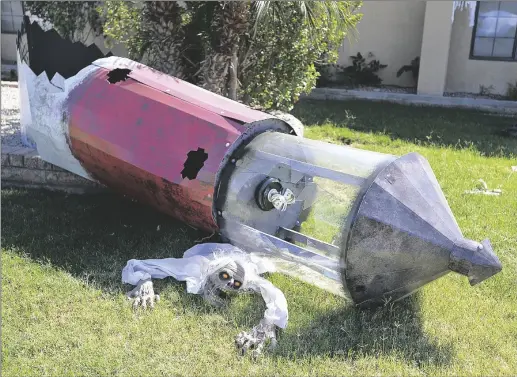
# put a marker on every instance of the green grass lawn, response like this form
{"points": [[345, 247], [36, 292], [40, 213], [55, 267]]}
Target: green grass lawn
{"points": [[64, 311]]}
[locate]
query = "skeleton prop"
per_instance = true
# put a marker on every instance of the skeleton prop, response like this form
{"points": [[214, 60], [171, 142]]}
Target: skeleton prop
{"points": [[209, 270]]}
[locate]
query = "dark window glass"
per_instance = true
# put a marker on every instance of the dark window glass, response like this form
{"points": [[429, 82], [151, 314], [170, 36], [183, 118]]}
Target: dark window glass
{"points": [[495, 31]]}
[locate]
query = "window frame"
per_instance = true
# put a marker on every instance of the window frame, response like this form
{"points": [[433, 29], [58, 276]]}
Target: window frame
{"points": [[12, 17], [489, 58]]}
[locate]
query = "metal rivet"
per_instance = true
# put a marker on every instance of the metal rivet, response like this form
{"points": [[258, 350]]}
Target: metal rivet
{"points": [[227, 144], [219, 213], [233, 160]]}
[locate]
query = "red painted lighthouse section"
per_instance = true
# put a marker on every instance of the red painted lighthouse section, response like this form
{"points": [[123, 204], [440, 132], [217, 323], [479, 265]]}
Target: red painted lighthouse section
{"points": [[151, 145]]}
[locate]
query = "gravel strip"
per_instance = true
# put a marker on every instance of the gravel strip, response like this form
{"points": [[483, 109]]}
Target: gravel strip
{"points": [[407, 90], [10, 116], [386, 88], [475, 95], [382, 88]]}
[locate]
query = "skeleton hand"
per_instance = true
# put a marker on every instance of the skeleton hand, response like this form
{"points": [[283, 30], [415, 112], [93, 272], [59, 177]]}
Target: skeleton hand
{"points": [[143, 294], [256, 338]]}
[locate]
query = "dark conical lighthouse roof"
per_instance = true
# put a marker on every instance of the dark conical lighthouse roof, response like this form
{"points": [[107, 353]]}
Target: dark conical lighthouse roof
{"points": [[404, 235]]}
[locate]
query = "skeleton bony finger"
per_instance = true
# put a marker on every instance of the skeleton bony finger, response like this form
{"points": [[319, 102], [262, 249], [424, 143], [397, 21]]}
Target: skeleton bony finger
{"points": [[258, 349], [244, 341], [136, 302]]}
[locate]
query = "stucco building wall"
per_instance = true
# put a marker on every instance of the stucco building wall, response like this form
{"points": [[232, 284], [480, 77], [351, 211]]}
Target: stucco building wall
{"points": [[392, 31], [398, 31], [466, 75]]}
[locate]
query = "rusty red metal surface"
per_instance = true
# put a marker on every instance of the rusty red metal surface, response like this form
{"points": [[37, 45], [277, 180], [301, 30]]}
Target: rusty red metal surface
{"points": [[191, 93], [136, 139]]}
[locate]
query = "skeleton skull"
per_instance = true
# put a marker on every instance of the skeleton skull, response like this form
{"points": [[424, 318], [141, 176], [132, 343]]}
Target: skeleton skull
{"points": [[227, 276]]}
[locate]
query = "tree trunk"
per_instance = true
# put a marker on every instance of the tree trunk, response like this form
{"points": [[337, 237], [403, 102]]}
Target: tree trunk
{"points": [[219, 72], [234, 82], [163, 30], [238, 24]]}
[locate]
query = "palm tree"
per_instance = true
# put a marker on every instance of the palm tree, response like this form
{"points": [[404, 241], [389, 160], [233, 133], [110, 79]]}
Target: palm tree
{"points": [[219, 71], [263, 11], [164, 35], [210, 43]]}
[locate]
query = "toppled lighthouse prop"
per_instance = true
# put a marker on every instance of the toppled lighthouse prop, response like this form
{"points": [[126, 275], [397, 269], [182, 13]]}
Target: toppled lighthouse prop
{"points": [[373, 226]]}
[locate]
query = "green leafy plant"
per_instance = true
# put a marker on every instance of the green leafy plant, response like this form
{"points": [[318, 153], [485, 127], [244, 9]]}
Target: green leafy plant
{"points": [[152, 31], [263, 53], [74, 20], [328, 74], [282, 65], [223, 49], [413, 67], [511, 92], [363, 72]]}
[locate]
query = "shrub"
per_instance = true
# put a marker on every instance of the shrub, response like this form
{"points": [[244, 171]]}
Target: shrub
{"points": [[220, 45], [511, 92], [413, 67]]}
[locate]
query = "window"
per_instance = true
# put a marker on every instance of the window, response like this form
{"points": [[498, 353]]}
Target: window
{"points": [[495, 31], [12, 16]]}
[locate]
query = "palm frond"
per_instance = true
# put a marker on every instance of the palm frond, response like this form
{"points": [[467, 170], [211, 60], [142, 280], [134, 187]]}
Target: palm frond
{"points": [[267, 12]]}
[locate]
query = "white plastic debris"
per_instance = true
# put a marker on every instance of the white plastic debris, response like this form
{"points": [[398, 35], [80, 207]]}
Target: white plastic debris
{"points": [[482, 188], [44, 112], [481, 185]]}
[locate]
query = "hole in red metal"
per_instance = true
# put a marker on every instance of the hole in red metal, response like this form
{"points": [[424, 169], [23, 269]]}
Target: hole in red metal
{"points": [[194, 163], [118, 74]]}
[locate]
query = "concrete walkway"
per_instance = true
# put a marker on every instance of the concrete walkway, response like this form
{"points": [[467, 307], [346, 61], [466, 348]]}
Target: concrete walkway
{"points": [[490, 105]]}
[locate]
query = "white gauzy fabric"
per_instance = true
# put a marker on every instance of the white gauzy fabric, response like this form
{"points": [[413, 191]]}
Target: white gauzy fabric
{"points": [[44, 112], [471, 5], [200, 261]]}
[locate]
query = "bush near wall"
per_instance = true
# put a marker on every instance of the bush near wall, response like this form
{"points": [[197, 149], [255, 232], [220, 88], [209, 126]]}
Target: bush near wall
{"points": [[263, 53]]}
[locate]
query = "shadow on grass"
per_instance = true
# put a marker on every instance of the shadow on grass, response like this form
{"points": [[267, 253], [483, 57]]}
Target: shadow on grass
{"points": [[93, 236], [394, 331], [431, 126]]}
